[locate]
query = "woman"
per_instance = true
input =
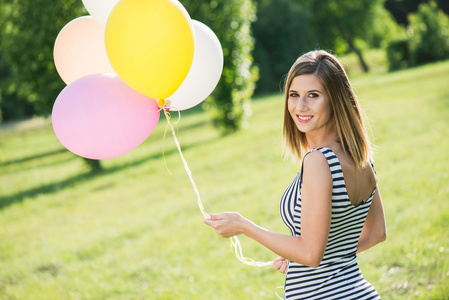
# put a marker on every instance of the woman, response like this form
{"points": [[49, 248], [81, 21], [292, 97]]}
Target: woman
{"points": [[333, 206]]}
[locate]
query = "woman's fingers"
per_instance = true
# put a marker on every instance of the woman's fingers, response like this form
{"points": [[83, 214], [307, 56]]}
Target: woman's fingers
{"points": [[280, 264], [284, 266], [223, 224], [226, 224], [277, 265]]}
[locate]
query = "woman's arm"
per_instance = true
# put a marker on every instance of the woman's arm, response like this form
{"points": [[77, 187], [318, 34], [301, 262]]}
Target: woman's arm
{"points": [[316, 206], [374, 230]]}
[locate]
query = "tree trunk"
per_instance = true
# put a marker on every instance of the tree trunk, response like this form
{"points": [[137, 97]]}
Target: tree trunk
{"points": [[360, 56], [354, 48]]}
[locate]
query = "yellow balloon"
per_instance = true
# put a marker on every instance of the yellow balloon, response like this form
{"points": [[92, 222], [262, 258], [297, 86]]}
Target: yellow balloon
{"points": [[150, 45]]}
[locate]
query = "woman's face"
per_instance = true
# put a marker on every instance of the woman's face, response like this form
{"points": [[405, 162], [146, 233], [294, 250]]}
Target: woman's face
{"points": [[309, 105]]}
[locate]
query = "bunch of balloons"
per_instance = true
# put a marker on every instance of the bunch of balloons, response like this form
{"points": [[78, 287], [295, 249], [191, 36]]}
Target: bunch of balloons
{"points": [[118, 62]]}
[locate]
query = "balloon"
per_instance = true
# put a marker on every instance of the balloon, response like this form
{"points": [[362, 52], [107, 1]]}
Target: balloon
{"points": [[100, 9], [99, 116], [205, 71], [150, 44], [79, 50]]}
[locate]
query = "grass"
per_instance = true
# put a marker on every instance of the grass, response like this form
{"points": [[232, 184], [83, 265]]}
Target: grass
{"points": [[135, 231]]}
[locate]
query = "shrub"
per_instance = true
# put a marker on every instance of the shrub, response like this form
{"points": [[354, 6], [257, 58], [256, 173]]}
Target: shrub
{"points": [[429, 30], [427, 39], [398, 54], [231, 21]]}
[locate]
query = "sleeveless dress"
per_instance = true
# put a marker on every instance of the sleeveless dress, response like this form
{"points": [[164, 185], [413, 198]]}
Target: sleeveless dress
{"points": [[338, 275]]}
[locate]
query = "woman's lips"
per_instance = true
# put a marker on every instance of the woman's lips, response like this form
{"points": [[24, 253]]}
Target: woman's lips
{"points": [[304, 118]]}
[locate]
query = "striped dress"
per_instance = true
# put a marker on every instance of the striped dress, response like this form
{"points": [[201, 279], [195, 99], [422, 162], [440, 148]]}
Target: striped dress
{"points": [[338, 275]]}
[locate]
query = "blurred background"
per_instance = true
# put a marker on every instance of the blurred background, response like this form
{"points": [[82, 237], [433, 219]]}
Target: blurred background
{"points": [[260, 40], [129, 228]]}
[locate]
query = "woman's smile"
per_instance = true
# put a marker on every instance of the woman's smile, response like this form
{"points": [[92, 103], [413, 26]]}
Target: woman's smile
{"points": [[304, 118]]}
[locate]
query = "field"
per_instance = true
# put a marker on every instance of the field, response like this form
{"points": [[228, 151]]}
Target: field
{"points": [[135, 231]]}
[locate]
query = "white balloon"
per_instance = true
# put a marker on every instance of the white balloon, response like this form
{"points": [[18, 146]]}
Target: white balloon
{"points": [[100, 9], [205, 71]]}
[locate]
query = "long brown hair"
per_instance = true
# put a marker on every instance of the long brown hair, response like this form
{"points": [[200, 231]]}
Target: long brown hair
{"points": [[348, 114]]}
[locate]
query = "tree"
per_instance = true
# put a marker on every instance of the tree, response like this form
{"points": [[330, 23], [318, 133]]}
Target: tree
{"points": [[27, 46], [29, 30], [231, 21], [401, 9], [429, 34], [282, 33], [343, 21], [426, 40]]}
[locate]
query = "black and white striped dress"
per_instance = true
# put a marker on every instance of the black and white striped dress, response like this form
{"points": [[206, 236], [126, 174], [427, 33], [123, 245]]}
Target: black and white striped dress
{"points": [[338, 275]]}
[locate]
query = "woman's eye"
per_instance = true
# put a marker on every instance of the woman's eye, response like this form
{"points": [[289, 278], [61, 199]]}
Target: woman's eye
{"points": [[313, 95], [294, 95]]}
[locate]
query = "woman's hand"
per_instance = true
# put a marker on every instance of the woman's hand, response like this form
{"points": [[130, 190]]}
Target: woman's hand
{"points": [[280, 264], [227, 224]]}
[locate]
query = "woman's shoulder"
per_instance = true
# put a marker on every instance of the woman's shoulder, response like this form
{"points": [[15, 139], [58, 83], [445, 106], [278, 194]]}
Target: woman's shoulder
{"points": [[316, 173], [315, 162], [320, 154]]}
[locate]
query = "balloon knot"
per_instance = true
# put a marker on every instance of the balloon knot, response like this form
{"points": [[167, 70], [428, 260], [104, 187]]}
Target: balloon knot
{"points": [[164, 104]]}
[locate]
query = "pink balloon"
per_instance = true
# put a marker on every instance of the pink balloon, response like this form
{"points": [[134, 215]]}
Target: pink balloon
{"points": [[99, 116], [80, 50]]}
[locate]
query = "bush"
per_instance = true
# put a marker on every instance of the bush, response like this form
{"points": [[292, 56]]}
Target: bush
{"points": [[398, 54], [28, 29], [384, 29], [429, 31], [427, 39], [231, 21]]}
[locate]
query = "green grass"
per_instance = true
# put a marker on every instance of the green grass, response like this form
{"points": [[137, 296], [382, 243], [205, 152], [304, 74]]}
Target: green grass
{"points": [[135, 231]]}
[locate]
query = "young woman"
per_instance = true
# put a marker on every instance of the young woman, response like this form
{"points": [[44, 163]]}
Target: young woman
{"points": [[333, 206]]}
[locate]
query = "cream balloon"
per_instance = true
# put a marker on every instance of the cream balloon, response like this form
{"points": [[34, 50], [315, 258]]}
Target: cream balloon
{"points": [[100, 9], [80, 50], [205, 71]]}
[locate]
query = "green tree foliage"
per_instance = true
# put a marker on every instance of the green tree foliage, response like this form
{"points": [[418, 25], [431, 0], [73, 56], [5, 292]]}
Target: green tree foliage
{"points": [[343, 22], [231, 21], [398, 54], [282, 33], [427, 39], [401, 9], [28, 35], [29, 30], [383, 29], [429, 32]]}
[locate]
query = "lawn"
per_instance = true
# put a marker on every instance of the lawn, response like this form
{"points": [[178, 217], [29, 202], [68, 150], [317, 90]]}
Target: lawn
{"points": [[135, 231]]}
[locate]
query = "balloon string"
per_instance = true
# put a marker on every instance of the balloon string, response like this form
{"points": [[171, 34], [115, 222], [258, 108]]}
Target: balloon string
{"points": [[186, 166], [276, 291], [163, 150], [235, 243], [247, 261]]}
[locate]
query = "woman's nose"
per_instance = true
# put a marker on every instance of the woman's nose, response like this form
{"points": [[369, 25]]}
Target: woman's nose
{"points": [[301, 105]]}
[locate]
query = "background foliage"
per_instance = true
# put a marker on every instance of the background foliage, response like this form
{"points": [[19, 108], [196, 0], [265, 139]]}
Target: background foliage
{"points": [[343, 22], [27, 34], [260, 40], [231, 21], [279, 40], [426, 39]]}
